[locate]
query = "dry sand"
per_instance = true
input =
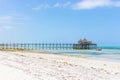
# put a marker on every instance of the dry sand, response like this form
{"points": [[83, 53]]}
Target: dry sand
{"points": [[32, 66]]}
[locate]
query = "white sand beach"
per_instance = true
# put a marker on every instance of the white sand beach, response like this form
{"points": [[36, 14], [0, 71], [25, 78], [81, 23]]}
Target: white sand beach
{"points": [[42, 66]]}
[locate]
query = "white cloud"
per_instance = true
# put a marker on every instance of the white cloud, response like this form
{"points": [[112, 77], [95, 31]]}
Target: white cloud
{"points": [[5, 19], [62, 5], [56, 5], [67, 4], [7, 22], [6, 28], [91, 4], [82, 4], [12, 19], [117, 4], [41, 6]]}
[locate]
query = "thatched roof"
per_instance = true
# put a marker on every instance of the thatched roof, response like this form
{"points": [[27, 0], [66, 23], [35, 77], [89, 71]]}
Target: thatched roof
{"points": [[84, 41]]}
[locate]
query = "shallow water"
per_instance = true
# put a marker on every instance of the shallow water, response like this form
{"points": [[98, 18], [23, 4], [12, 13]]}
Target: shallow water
{"points": [[105, 54]]}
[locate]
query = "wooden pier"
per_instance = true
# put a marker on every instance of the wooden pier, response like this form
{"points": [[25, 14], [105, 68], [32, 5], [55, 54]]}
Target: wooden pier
{"points": [[45, 46], [82, 44], [36, 46]]}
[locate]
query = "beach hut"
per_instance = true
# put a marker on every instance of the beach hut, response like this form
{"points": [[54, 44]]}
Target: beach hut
{"points": [[84, 44]]}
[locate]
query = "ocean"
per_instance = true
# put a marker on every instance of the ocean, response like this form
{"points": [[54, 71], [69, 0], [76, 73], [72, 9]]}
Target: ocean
{"points": [[111, 53]]}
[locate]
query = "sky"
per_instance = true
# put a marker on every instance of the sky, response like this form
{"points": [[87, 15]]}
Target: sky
{"points": [[60, 21]]}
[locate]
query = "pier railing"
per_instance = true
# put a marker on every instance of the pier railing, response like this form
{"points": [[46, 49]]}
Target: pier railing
{"points": [[44, 46], [36, 46]]}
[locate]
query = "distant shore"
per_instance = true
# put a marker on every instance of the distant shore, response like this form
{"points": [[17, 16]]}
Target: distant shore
{"points": [[44, 66]]}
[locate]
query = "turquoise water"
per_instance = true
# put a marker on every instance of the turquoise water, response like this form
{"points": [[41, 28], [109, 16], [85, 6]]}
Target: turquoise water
{"points": [[110, 47], [107, 53]]}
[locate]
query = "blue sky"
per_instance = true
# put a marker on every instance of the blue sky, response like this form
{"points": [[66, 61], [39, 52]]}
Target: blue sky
{"points": [[60, 21]]}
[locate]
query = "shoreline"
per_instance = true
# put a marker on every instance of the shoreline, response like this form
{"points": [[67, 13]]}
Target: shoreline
{"points": [[98, 58], [44, 66]]}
